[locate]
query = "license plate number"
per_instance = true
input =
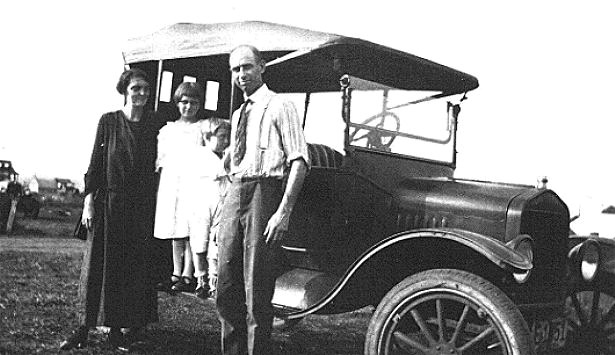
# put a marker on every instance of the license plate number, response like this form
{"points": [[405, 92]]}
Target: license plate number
{"points": [[550, 334]]}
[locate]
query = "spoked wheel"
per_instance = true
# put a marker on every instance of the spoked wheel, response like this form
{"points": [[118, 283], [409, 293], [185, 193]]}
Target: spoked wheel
{"points": [[591, 314], [447, 312]]}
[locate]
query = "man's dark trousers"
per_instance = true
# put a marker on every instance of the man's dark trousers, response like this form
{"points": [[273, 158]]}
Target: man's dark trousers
{"points": [[246, 275]]}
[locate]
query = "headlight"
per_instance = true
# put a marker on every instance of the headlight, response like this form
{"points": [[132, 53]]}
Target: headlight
{"points": [[524, 246], [590, 259], [586, 257]]}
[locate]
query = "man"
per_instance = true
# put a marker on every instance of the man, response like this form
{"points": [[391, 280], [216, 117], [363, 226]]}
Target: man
{"points": [[5, 209], [14, 189], [268, 163]]}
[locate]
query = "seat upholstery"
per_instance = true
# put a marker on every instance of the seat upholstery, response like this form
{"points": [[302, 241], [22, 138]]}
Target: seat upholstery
{"points": [[323, 156]]}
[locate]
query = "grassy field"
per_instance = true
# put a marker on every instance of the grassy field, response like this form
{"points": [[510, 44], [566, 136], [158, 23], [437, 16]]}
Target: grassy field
{"points": [[39, 269], [40, 263]]}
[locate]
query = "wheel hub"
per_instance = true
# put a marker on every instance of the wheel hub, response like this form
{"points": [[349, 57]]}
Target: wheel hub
{"points": [[444, 348]]}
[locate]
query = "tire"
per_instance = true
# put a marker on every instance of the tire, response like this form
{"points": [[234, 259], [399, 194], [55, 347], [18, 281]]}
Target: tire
{"points": [[420, 315], [591, 313]]}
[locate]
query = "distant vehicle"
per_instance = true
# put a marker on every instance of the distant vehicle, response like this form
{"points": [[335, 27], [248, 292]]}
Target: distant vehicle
{"points": [[66, 186], [452, 266]]}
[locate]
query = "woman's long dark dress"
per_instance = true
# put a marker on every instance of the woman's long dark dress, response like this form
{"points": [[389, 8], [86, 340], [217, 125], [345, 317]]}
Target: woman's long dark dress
{"points": [[115, 289]]}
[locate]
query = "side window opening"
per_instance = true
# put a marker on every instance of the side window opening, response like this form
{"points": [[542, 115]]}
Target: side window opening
{"points": [[166, 86], [212, 90]]}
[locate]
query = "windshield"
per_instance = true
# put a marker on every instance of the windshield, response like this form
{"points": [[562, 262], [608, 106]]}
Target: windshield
{"points": [[417, 124], [404, 122]]}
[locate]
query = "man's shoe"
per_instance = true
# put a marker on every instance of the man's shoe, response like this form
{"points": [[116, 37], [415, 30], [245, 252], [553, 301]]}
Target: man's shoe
{"points": [[77, 340]]}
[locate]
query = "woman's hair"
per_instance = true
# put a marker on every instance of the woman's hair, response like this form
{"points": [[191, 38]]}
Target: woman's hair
{"points": [[189, 89], [127, 76]]}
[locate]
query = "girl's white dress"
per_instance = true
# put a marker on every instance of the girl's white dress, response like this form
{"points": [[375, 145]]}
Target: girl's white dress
{"points": [[188, 193]]}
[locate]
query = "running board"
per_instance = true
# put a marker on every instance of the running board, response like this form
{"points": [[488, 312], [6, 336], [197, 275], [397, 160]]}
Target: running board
{"points": [[300, 289]]}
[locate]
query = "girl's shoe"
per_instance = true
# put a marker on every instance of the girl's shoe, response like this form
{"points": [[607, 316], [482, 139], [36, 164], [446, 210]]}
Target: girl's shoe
{"points": [[166, 285], [186, 284]]}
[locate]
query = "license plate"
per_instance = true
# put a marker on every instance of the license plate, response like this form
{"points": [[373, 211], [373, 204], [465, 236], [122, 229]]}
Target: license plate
{"points": [[550, 334]]}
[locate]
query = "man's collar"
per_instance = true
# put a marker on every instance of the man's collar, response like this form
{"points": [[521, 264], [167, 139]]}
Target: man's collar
{"points": [[258, 95]]}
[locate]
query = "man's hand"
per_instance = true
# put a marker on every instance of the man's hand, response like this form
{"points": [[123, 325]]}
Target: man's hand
{"points": [[276, 229]]}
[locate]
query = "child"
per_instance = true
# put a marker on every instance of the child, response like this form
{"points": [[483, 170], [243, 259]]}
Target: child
{"points": [[177, 209], [204, 245]]}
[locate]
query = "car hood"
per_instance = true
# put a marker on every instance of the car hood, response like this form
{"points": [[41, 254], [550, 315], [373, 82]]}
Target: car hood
{"points": [[477, 206]]}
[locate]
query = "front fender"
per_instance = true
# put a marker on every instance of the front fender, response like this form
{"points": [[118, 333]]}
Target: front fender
{"points": [[300, 291], [494, 250]]}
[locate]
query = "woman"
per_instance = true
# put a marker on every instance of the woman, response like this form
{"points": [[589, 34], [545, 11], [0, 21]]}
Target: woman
{"points": [[180, 214], [118, 210]]}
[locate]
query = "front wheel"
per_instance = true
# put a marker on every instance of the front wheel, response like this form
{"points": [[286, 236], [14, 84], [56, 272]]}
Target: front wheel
{"points": [[447, 311], [591, 314]]}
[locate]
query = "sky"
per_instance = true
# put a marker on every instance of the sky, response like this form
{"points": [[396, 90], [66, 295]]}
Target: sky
{"points": [[543, 108]]}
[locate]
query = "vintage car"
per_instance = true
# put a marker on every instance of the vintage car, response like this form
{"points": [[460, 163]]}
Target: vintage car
{"points": [[451, 266]]}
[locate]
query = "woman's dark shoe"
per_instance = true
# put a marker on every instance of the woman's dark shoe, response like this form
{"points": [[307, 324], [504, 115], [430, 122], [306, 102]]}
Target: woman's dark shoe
{"points": [[77, 340], [166, 285], [136, 340], [186, 284], [116, 340]]}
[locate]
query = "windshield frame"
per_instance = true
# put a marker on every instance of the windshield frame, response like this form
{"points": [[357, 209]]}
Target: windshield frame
{"points": [[346, 90], [320, 126]]}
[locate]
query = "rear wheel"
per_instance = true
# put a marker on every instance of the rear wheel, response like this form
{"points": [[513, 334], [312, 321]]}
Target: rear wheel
{"points": [[447, 311], [591, 314]]}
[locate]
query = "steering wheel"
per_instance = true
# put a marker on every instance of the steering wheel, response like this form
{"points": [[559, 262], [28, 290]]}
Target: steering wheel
{"points": [[377, 139]]}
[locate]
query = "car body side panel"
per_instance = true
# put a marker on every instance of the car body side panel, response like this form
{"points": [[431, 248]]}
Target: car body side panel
{"points": [[338, 216]]}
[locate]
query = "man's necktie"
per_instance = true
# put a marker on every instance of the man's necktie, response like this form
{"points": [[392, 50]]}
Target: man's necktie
{"points": [[240, 133]]}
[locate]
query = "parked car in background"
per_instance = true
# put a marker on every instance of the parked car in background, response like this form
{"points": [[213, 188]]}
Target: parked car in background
{"points": [[66, 186], [452, 266]]}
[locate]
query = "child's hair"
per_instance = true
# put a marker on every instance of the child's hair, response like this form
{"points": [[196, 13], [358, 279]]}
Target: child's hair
{"points": [[189, 89], [215, 124]]}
